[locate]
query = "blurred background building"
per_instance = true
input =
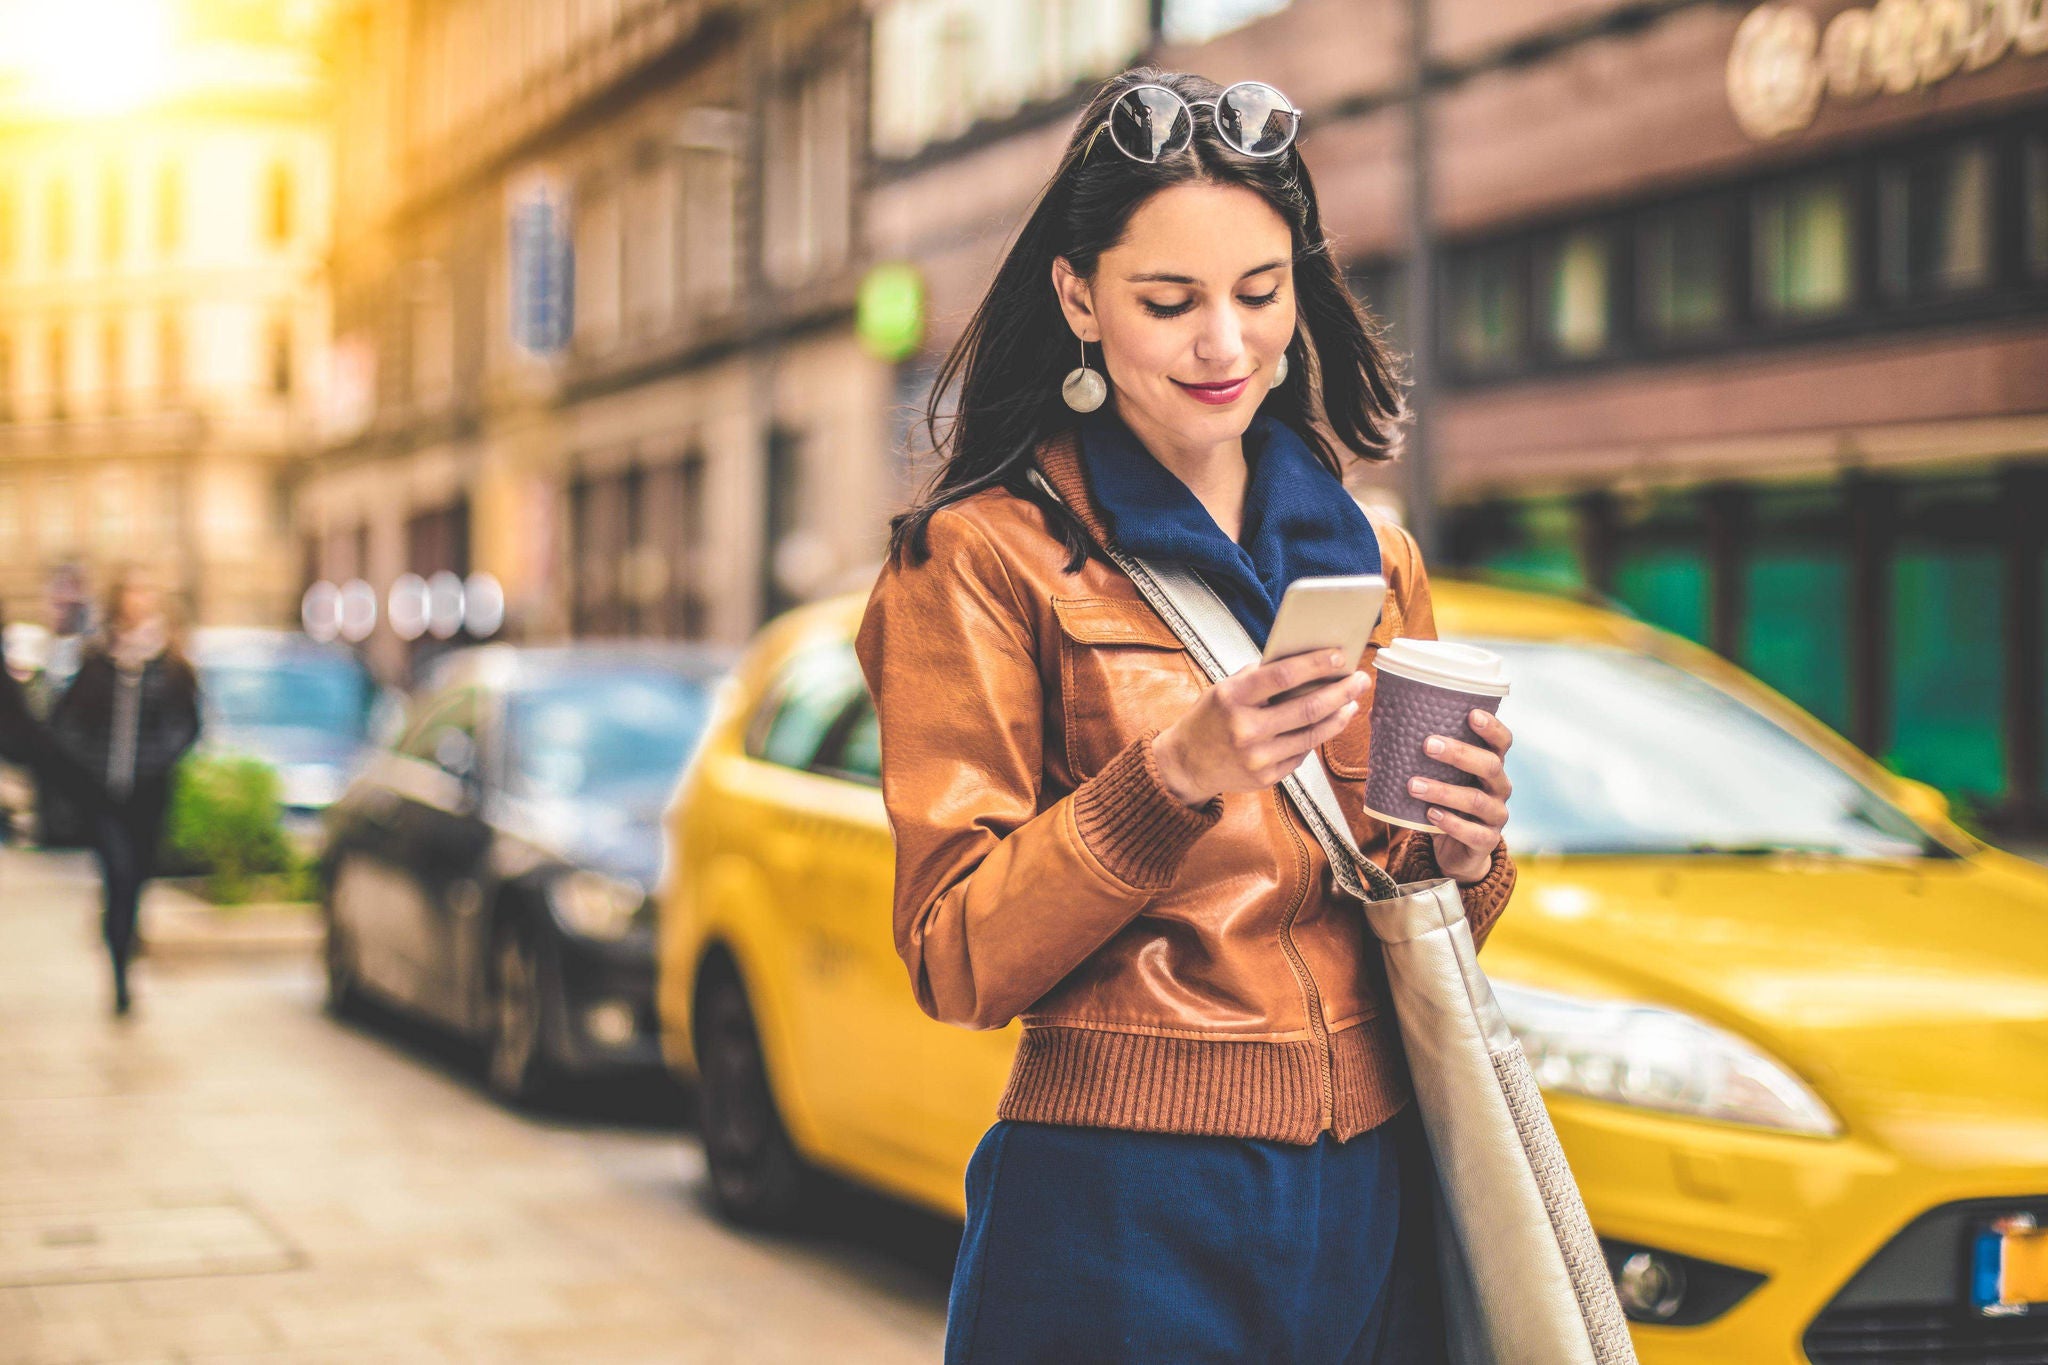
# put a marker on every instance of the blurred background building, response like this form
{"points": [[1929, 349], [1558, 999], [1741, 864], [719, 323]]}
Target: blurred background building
{"points": [[163, 221], [594, 280], [1736, 313]]}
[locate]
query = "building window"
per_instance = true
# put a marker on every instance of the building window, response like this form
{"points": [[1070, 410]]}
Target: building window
{"points": [[277, 204], [57, 246], [653, 200], [1660, 564], [689, 550], [1804, 248], [113, 216], [57, 370], [113, 369], [279, 351], [1947, 639], [170, 210], [1532, 540], [780, 518], [1682, 262], [1573, 292], [1935, 222], [1483, 299], [1197, 21], [940, 66], [710, 236], [2034, 158], [808, 212], [1795, 598], [170, 357], [597, 270]]}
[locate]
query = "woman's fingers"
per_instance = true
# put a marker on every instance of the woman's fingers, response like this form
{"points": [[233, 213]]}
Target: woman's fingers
{"points": [[1260, 683], [1479, 836], [1484, 764], [1480, 804]]}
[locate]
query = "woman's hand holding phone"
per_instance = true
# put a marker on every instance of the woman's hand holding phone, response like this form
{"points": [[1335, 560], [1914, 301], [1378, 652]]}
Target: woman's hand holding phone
{"points": [[1233, 740]]}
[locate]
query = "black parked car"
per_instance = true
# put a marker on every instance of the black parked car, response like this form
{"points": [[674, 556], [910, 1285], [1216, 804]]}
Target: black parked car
{"points": [[494, 869]]}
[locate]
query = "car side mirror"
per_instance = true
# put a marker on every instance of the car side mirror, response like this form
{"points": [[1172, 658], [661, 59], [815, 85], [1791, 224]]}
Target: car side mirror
{"points": [[1923, 801]]}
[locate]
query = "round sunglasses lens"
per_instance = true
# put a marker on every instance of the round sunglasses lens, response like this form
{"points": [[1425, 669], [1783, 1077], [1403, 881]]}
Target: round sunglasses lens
{"points": [[1256, 119], [1150, 122]]}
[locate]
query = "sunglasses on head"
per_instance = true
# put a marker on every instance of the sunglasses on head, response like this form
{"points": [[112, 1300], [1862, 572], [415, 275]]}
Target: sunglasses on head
{"points": [[1148, 122]]}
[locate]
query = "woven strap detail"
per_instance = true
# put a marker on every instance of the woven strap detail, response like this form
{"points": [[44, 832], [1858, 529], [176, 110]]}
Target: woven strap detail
{"points": [[1606, 1326]]}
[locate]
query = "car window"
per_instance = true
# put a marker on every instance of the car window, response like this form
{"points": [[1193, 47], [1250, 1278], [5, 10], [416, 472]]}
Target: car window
{"points": [[798, 714], [445, 734], [603, 735], [855, 748], [332, 695], [1619, 751]]}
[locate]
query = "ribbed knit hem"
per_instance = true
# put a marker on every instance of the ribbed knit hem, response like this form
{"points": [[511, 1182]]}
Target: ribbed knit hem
{"points": [[1484, 899], [1138, 829], [1213, 1086]]}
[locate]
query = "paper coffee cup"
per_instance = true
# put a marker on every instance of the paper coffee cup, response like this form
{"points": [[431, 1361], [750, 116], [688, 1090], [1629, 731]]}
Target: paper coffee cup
{"points": [[1424, 688]]}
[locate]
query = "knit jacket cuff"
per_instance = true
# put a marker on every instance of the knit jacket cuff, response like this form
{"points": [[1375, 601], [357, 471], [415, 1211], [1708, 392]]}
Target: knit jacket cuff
{"points": [[1128, 819], [1415, 861]]}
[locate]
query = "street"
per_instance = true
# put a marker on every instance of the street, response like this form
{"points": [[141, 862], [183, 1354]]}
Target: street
{"points": [[230, 1175]]}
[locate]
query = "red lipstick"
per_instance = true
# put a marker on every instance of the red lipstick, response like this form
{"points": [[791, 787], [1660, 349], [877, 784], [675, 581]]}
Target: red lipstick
{"points": [[1216, 395]]}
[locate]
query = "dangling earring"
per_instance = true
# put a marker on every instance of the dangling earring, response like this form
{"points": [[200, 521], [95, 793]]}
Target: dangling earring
{"points": [[1083, 388], [1279, 372]]}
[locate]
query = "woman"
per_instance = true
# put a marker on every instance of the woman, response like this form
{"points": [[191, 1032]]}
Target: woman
{"points": [[1205, 1150], [129, 714]]}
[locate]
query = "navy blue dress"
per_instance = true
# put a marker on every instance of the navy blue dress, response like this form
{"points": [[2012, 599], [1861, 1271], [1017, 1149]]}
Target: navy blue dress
{"points": [[1100, 1245]]}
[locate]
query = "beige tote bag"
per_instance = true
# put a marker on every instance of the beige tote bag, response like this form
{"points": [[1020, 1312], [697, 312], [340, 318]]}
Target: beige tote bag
{"points": [[1524, 1281]]}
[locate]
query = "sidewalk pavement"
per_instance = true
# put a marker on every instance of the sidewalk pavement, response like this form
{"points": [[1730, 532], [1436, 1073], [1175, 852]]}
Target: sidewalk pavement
{"points": [[230, 1176]]}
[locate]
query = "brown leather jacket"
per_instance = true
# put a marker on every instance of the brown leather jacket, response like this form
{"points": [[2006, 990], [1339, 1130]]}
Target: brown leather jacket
{"points": [[1177, 968]]}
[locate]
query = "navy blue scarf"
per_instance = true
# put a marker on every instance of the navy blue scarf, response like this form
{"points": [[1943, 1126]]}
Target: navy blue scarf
{"points": [[1298, 517]]}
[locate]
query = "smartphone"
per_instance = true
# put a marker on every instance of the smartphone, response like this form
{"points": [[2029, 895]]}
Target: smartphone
{"points": [[1330, 611]]}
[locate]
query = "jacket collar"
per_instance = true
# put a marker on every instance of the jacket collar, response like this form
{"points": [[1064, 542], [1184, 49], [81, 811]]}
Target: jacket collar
{"points": [[1059, 459]]}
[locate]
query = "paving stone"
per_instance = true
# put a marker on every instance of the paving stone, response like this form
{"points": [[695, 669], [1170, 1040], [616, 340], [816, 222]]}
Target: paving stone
{"points": [[231, 1178]]}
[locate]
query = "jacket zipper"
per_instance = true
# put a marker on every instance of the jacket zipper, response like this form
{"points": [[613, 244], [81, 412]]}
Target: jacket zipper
{"points": [[1313, 998]]}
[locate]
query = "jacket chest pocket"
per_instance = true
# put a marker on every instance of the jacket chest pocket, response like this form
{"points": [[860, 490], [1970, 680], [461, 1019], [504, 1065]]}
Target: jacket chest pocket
{"points": [[1347, 752], [1122, 671]]}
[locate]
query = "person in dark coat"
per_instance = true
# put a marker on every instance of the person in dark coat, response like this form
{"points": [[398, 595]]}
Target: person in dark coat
{"points": [[25, 740], [129, 715]]}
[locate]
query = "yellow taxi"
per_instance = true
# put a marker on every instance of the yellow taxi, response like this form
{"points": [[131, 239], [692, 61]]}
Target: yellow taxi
{"points": [[1791, 1021]]}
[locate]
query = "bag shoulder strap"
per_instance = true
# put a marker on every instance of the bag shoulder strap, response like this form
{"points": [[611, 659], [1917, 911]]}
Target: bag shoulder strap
{"points": [[1220, 647]]}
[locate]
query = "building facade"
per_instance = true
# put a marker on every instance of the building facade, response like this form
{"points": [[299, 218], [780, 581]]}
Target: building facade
{"points": [[1737, 314], [594, 276], [162, 314]]}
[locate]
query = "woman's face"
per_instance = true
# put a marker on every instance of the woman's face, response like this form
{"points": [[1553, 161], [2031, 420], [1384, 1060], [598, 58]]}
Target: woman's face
{"points": [[1193, 309], [138, 599]]}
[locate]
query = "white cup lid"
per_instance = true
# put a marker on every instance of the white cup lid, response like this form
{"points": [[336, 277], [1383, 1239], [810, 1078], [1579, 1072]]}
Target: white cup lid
{"points": [[1445, 663]]}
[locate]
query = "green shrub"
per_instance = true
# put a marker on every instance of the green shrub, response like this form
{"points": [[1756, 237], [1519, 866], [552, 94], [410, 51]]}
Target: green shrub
{"points": [[226, 821]]}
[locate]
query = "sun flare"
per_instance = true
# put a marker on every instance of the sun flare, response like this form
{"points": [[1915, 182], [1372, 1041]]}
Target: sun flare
{"points": [[86, 56]]}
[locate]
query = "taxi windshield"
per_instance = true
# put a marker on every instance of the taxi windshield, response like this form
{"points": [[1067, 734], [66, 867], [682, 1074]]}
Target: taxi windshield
{"points": [[1618, 751]]}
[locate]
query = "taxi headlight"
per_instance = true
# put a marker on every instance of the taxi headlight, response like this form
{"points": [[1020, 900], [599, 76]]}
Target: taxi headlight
{"points": [[596, 906], [1652, 1058]]}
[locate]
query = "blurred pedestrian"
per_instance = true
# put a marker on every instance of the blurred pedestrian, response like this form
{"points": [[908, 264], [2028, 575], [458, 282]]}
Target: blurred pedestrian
{"points": [[1207, 1149], [130, 713], [27, 741]]}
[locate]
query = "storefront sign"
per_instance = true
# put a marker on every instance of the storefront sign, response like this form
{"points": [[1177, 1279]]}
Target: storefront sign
{"points": [[1783, 61]]}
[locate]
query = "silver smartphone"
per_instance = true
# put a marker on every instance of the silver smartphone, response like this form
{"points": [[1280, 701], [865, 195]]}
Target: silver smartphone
{"points": [[1330, 611]]}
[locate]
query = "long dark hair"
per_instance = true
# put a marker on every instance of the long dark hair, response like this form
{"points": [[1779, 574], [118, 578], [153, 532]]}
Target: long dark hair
{"points": [[1010, 359]]}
